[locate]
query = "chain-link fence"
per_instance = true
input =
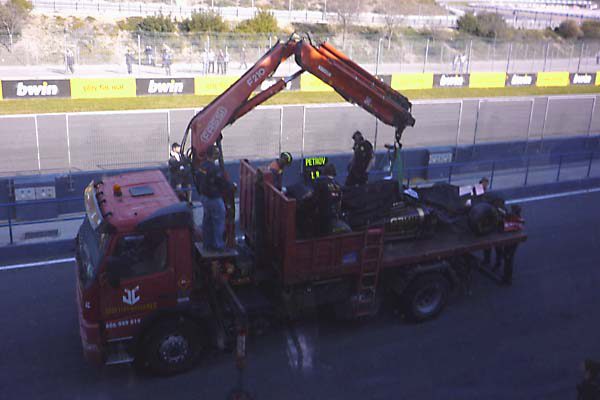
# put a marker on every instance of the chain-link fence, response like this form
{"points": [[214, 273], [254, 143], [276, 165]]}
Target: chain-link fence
{"points": [[189, 53]]}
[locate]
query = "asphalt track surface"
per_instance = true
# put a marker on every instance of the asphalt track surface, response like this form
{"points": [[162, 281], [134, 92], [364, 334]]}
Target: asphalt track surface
{"points": [[521, 342], [129, 139]]}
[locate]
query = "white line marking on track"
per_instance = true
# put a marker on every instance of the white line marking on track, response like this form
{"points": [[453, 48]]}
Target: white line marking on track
{"points": [[553, 196], [37, 264]]}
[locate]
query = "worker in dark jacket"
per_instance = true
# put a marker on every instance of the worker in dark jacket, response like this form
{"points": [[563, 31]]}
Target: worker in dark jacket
{"points": [[328, 194], [277, 166], [179, 173], [589, 389], [211, 185], [361, 161]]}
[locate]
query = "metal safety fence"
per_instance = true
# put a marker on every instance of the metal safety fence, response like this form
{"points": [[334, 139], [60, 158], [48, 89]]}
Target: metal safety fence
{"points": [[506, 173], [71, 142]]}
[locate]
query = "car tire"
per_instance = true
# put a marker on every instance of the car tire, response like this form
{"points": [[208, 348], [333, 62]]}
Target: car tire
{"points": [[483, 219], [425, 297], [172, 347]]}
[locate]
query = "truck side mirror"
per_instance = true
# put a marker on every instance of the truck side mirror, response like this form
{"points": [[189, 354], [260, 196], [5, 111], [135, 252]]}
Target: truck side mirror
{"points": [[113, 271]]}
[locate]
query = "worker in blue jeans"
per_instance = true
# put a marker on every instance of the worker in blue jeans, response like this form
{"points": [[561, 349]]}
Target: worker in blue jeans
{"points": [[211, 184]]}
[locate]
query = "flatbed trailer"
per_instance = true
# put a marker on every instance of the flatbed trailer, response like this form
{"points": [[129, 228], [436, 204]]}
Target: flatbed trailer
{"points": [[353, 271]]}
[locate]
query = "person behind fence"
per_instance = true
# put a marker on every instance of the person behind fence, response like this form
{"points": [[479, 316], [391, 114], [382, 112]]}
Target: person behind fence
{"points": [[225, 61], [166, 60], [70, 60], [220, 62], [277, 166], [211, 61], [129, 60], [361, 161], [149, 52], [179, 173], [211, 184], [328, 195], [243, 64]]}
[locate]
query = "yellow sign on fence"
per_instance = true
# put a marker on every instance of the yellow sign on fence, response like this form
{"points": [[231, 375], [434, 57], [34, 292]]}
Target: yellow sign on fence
{"points": [[597, 78], [102, 88], [545, 79], [204, 85], [485, 80], [1, 88], [310, 83], [412, 80]]}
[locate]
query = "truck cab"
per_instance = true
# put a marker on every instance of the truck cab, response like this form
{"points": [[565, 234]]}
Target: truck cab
{"points": [[134, 247]]}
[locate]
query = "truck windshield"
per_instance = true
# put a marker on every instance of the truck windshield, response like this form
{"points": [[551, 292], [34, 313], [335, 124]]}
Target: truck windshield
{"points": [[90, 248]]}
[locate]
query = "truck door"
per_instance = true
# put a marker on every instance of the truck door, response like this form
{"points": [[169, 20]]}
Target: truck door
{"points": [[145, 279]]}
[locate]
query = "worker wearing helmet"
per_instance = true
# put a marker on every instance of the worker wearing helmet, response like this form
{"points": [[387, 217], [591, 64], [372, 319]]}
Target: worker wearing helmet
{"points": [[361, 161], [277, 166], [179, 173], [328, 194]]}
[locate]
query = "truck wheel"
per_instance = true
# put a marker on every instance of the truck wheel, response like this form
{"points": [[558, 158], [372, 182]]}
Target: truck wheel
{"points": [[483, 218], [425, 297], [171, 347]]}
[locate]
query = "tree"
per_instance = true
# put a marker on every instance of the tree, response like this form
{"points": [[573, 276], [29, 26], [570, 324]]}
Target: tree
{"points": [[12, 15], [392, 11], [569, 29], [204, 22], [468, 23], [591, 29], [484, 24], [159, 23], [262, 22], [347, 11]]}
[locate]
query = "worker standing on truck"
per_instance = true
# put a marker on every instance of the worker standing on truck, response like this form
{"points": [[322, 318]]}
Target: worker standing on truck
{"points": [[487, 253], [277, 166], [360, 162], [179, 174], [211, 184], [328, 194]]}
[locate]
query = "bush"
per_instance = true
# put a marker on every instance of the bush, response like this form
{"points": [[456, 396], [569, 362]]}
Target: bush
{"points": [[484, 24], [569, 29], [204, 22], [147, 24], [591, 29], [468, 23], [263, 22]]}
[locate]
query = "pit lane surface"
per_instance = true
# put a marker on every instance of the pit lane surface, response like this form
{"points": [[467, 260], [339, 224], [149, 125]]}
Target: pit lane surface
{"points": [[522, 342]]}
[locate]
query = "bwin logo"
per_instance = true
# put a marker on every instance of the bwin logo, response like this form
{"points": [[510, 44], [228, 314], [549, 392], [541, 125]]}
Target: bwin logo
{"points": [[165, 87], [131, 296], [36, 90]]}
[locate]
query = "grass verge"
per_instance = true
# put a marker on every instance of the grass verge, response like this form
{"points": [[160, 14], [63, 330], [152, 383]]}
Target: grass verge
{"points": [[40, 106]]}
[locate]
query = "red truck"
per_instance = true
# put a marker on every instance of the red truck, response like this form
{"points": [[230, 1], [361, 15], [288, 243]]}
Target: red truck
{"points": [[148, 293]]}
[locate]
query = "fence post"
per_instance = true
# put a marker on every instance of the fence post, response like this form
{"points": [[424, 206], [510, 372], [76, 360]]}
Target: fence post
{"points": [[139, 50], [559, 167], [469, 59], [547, 48], [37, 143], [492, 174], [592, 116], [68, 141], [303, 129], [476, 123], [544, 123], [580, 56], [532, 102], [378, 60], [460, 110], [10, 232], [527, 171], [168, 131], [510, 46], [280, 127], [426, 55], [570, 56]]}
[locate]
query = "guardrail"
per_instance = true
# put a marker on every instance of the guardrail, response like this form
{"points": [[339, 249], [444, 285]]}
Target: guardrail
{"points": [[503, 173]]}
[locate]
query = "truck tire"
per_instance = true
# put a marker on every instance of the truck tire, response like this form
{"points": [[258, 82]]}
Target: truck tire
{"points": [[171, 347], [483, 218], [425, 297]]}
